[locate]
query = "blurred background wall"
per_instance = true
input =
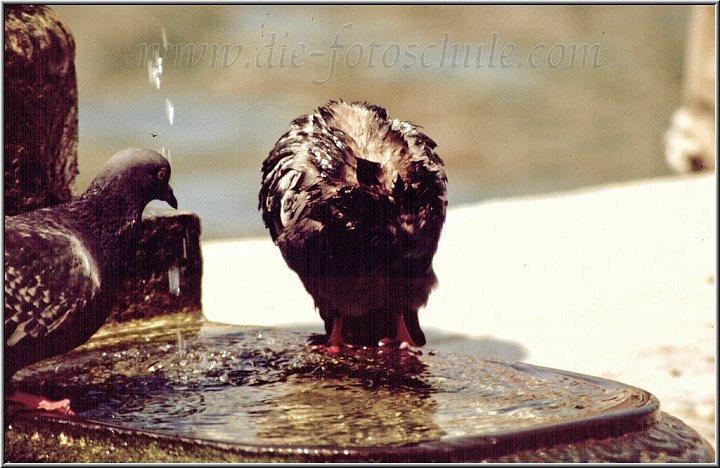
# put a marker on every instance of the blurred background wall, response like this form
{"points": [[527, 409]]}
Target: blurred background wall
{"points": [[520, 99]]}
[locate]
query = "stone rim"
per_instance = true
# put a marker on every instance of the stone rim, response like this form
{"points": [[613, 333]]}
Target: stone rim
{"points": [[639, 414]]}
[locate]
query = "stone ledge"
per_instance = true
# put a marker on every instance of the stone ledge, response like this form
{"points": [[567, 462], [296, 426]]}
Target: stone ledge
{"points": [[33, 438], [169, 238]]}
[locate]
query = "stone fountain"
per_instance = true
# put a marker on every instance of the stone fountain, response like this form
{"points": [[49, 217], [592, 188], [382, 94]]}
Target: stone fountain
{"points": [[159, 383]]}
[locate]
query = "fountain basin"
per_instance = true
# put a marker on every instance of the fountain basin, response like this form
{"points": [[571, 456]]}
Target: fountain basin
{"points": [[177, 388]]}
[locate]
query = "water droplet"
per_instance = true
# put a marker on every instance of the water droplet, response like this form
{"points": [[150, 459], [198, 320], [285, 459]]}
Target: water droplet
{"points": [[181, 344], [166, 152], [174, 280], [164, 38], [169, 111], [155, 69]]}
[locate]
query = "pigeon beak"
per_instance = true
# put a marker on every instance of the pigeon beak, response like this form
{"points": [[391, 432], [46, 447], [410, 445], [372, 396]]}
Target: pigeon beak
{"points": [[169, 197]]}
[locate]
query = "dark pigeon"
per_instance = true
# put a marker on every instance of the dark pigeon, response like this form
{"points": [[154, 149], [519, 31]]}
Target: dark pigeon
{"points": [[64, 264], [356, 203]]}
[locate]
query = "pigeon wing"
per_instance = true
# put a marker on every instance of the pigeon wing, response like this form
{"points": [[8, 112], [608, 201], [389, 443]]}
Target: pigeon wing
{"points": [[50, 275], [300, 169]]}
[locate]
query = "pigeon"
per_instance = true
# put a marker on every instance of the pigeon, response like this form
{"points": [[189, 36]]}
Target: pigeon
{"points": [[64, 264], [356, 203]]}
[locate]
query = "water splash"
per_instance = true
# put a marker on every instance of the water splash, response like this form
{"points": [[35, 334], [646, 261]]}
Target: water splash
{"points": [[166, 152], [174, 280], [263, 386], [155, 69], [181, 345], [169, 111], [166, 44]]}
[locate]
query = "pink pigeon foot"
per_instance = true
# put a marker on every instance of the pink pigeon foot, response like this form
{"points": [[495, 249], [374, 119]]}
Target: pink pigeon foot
{"points": [[402, 335], [335, 342], [37, 402]]}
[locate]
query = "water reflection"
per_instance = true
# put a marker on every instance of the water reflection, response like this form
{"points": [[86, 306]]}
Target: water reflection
{"points": [[345, 412], [241, 384]]}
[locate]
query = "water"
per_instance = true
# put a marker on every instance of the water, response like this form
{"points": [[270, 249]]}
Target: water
{"points": [[155, 70], [264, 386], [166, 152], [181, 346], [169, 111], [164, 38], [174, 280]]}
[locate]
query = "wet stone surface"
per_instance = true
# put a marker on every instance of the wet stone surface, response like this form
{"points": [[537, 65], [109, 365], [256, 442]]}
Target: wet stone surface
{"points": [[181, 378], [255, 385], [170, 239]]}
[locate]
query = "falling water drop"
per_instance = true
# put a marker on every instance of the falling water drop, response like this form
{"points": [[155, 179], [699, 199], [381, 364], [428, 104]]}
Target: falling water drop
{"points": [[174, 280], [169, 111], [164, 38], [155, 69], [184, 254], [166, 152], [180, 343]]}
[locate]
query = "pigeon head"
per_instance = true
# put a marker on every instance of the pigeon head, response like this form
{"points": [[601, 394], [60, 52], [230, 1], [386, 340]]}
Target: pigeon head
{"points": [[136, 176]]}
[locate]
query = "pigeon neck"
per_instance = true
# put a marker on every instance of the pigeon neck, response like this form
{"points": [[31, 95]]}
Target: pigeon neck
{"points": [[117, 217]]}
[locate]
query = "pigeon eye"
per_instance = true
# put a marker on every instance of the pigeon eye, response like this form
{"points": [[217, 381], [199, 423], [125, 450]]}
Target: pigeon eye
{"points": [[161, 174]]}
